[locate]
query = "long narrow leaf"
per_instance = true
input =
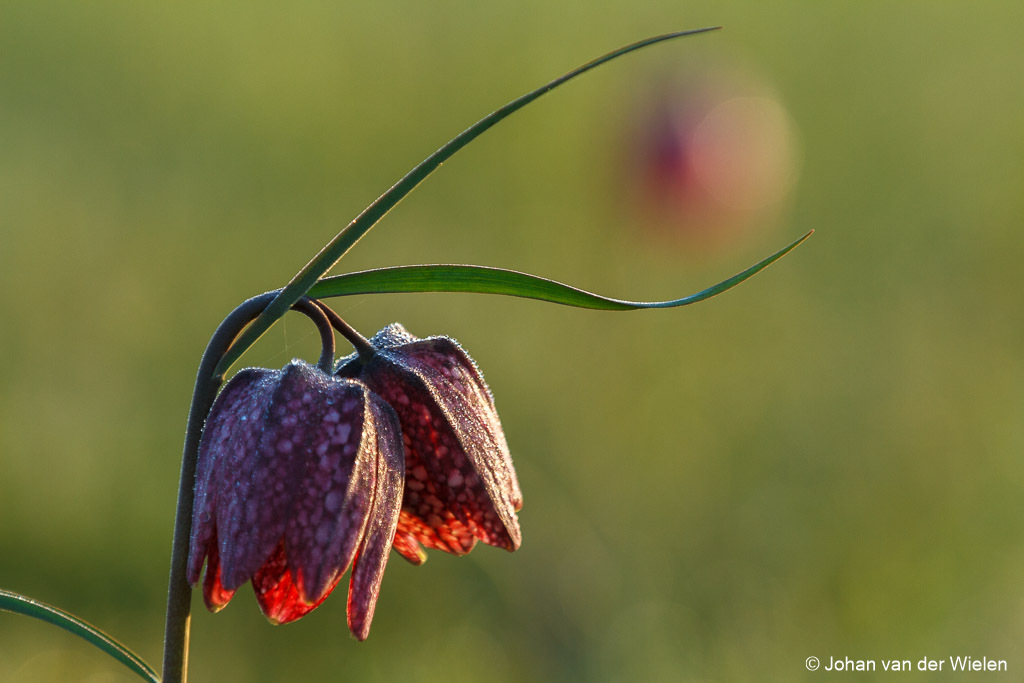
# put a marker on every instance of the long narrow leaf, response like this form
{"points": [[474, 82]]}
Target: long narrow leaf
{"points": [[344, 240], [20, 604], [484, 280]]}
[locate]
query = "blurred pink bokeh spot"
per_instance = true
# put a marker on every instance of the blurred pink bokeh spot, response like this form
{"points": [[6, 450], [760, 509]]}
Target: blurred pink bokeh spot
{"points": [[711, 158]]}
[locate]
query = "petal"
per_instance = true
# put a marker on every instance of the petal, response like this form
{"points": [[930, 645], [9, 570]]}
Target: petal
{"points": [[276, 592], [214, 594], [456, 377], [406, 545], [368, 571], [229, 414], [257, 493], [440, 531], [333, 500], [457, 459]]}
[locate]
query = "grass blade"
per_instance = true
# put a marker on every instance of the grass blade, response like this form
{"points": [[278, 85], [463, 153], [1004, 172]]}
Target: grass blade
{"points": [[484, 280], [344, 240], [20, 604]]}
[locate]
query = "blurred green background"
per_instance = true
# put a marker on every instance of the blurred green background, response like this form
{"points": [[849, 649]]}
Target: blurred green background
{"points": [[825, 461]]}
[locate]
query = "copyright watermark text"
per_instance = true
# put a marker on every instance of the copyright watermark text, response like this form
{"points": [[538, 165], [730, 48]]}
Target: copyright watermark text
{"points": [[956, 663]]}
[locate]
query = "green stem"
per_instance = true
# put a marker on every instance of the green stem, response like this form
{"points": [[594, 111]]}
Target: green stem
{"points": [[315, 311], [179, 592], [362, 345]]}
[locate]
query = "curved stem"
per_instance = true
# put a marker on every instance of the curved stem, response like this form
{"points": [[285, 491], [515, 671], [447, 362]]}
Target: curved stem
{"points": [[179, 592], [362, 344], [314, 310]]}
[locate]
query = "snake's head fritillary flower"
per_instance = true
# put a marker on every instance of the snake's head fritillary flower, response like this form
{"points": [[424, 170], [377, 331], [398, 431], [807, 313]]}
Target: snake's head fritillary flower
{"points": [[299, 475], [460, 485]]}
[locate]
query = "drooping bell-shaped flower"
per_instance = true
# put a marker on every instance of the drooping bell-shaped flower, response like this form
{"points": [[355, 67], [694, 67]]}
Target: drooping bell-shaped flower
{"points": [[299, 475], [460, 485]]}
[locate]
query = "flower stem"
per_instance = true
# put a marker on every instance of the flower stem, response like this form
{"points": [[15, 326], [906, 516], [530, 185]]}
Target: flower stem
{"points": [[362, 345], [315, 312], [179, 592]]}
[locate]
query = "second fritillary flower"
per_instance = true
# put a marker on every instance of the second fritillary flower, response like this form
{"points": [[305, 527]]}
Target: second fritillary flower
{"points": [[460, 485]]}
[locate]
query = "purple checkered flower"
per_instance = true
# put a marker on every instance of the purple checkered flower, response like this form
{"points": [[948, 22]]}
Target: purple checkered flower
{"points": [[300, 474], [460, 485]]}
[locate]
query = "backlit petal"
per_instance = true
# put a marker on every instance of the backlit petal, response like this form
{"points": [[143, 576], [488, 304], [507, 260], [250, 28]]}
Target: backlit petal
{"points": [[368, 569], [455, 376], [406, 545], [214, 594], [276, 592], [229, 418], [256, 494], [333, 500]]}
